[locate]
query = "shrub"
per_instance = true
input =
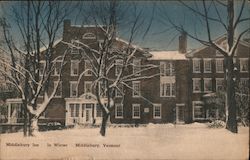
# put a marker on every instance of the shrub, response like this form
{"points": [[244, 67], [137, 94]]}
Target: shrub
{"points": [[217, 124]]}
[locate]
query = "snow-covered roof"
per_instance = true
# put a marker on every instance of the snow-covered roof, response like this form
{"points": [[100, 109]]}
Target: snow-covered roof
{"points": [[44, 48], [167, 55], [126, 42]]}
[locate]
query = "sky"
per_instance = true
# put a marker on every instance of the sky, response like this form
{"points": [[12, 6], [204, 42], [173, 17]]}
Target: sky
{"points": [[154, 16]]}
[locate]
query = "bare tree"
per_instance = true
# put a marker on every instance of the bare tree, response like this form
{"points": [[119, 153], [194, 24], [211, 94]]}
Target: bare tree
{"points": [[113, 55], [230, 18], [32, 59]]}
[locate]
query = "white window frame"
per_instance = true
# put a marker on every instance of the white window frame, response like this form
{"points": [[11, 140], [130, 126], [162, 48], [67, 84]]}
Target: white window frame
{"points": [[74, 110], [55, 68], [93, 36], [41, 70], [85, 86], [198, 60], [116, 106], [117, 92], [74, 50], [207, 80], [71, 84], [164, 90], [118, 66], [196, 91], [74, 62], [133, 111], [163, 70], [216, 65], [193, 107], [244, 79], [242, 60], [60, 91], [217, 80], [85, 68], [154, 110], [204, 64], [134, 92], [136, 66]]}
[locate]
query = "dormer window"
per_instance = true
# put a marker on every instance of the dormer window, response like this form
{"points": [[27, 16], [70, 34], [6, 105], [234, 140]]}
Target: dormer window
{"points": [[88, 36]]}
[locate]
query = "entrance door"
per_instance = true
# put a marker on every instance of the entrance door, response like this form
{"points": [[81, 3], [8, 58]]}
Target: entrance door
{"points": [[180, 114]]}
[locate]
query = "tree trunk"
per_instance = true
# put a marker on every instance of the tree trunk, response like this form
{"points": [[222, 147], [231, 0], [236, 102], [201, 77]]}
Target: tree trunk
{"points": [[104, 123], [25, 124], [231, 102], [33, 130]]}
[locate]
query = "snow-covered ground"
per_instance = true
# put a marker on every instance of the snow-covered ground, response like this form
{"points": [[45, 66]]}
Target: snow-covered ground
{"points": [[190, 141]]}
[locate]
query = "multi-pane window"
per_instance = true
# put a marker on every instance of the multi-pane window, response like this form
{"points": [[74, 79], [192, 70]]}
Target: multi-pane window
{"points": [[103, 88], [118, 110], [136, 88], [167, 89], [119, 91], [74, 67], [157, 111], [207, 65], [118, 66], [74, 49], [167, 68], [219, 84], [196, 84], [87, 87], [136, 111], [74, 109], [207, 84], [73, 88], [219, 65], [243, 64], [198, 110], [88, 68], [59, 89], [137, 66], [88, 36], [196, 66]]}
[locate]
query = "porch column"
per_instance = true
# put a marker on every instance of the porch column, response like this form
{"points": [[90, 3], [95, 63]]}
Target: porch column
{"points": [[67, 114], [9, 112], [80, 113]]}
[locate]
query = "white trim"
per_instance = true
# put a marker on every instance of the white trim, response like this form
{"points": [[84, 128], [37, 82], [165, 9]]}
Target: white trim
{"points": [[204, 66], [196, 91], [197, 60], [177, 112], [41, 70], [216, 68], [207, 80], [55, 68], [74, 62], [241, 60], [88, 73], [133, 110], [93, 36], [85, 88], [118, 105], [216, 81], [71, 83], [154, 106], [201, 104], [136, 66], [118, 62], [133, 91]]}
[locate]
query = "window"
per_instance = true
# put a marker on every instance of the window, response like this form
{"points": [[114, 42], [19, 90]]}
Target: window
{"points": [[219, 66], [88, 36], [167, 68], [119, 90], [98, 111], [59, 89], [207, 66], [88, 68], [74, 49], [243, 64], [87, 87], [74, 110], [136, 88], [118, 111], [157, 111], [136, 111], [73, 89], [42, 67], [219, 84], [244, 82], [137, 67], [118, 66], [198, 110], [196, 66], [57, 67], [103, 88], [196, 84], [207, 84], [74, 67], [167, 89]]}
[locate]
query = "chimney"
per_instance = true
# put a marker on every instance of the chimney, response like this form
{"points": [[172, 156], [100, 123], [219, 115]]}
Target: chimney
{"points": [[66, 23], [66, 28], [183, 42]]}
